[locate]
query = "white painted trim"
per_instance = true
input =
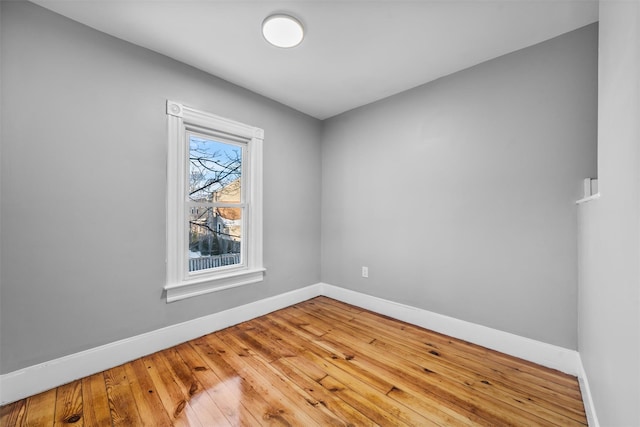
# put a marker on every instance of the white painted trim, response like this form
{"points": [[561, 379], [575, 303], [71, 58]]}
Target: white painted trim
{"points": [[35, 379], [207, 285], [548, 355], [587, 398], [44, 376], [588, 199], [181, 121]]}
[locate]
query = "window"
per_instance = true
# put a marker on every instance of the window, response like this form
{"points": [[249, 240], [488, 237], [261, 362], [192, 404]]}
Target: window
{"points": [[214, 203]]}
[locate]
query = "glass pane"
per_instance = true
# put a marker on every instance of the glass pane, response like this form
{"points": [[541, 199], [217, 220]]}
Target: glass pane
{"points": [[215, 169], [215, 237]]}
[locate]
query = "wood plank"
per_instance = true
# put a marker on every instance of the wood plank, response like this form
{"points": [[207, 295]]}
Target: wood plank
{"points": [[396, 327], [266, 379], [375, 325], [230, 402], [320, 348], [373, 406], [152, 411], [413, 353], [327, 363], [204, 407], [433, 410], [40, 410], [13, 414], [456, 383], [322, 396], [281, 406], [271, 347], [475, 373], [486, 393], [374, 380], [122, 405], [284, 365], [95, 402], [178, 408], [505, 395], [265, 412], [69, 405], [435, 390]]}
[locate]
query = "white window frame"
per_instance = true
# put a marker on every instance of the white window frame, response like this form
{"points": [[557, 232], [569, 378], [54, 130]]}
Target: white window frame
{"points": [[181, 283]]}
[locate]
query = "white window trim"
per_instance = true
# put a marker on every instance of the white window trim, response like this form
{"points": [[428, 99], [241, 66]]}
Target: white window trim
{"points": [[181, 284]]}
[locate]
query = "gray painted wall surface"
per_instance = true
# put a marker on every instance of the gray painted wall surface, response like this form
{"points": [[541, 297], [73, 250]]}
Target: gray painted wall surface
{"points": [[459, 194], [83, 187], [609, 293]]}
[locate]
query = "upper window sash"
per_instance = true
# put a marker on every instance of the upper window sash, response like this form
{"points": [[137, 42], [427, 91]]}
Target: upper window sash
{"points": [[241, 144]]}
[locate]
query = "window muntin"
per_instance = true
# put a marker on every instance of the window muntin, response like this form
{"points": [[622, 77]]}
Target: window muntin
{"points": [[214, 203]]}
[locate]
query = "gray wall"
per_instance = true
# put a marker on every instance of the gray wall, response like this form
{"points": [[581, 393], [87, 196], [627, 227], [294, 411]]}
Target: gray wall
{"points": [[459, 194], [83, 187], [609, 293]]}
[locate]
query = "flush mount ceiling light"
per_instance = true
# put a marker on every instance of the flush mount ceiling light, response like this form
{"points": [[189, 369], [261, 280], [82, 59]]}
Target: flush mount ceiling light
{"points": [[282, 30]]}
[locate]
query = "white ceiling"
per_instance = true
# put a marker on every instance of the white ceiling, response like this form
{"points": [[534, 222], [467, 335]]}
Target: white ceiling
{"points": [[355, 51]]}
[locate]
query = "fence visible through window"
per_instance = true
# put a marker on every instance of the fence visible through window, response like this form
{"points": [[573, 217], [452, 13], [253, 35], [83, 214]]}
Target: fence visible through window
{"points": [[206, 262]]}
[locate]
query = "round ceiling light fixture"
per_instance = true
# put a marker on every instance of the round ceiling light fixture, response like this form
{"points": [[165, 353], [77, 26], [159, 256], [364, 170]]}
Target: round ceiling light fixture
{"points": [[282, 30]]}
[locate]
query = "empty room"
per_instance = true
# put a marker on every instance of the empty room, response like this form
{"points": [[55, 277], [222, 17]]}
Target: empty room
{"points": [[320, 212]]}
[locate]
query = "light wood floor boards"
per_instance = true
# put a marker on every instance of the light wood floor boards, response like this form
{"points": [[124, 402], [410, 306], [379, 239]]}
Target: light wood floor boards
{"points": [[320, 362]]}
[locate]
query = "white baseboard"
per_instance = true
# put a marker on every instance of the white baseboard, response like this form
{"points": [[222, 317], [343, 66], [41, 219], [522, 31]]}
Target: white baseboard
{"points": [[587, 398], [45, 376], [38, 378], [538, 352]]}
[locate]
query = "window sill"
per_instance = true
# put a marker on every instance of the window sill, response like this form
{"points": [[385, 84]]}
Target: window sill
{"points": [[192, 288]]}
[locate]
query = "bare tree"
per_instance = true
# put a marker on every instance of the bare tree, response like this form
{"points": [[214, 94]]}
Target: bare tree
{"points": [[213, 169]]}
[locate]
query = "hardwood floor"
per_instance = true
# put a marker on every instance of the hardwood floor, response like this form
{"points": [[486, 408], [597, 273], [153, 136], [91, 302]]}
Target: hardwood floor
{"points": [[320, 362]]}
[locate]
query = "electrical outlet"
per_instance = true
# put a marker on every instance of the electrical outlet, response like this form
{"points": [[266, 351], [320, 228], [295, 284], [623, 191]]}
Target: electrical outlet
{"points": [[365, 271]]}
